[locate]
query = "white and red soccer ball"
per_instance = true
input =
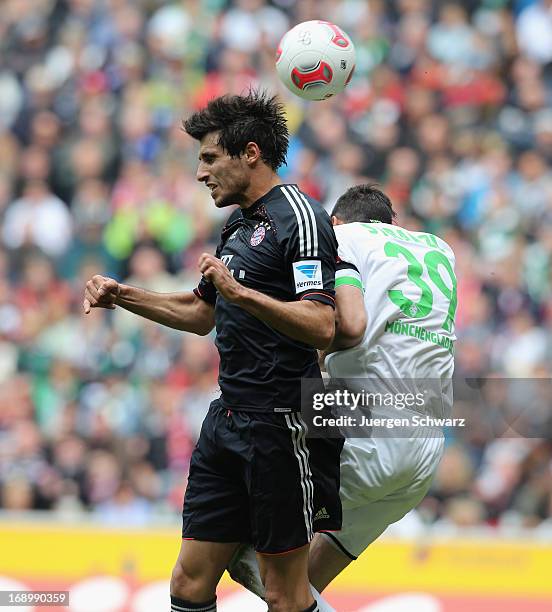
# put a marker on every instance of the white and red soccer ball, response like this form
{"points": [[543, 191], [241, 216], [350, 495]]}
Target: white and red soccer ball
{"points": [[315, 60]]}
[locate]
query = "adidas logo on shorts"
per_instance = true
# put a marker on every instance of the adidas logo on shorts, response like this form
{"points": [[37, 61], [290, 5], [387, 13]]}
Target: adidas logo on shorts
{"points": [[321, 514]]}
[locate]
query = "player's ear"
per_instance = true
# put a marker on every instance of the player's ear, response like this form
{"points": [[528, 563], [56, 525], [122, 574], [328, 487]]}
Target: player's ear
{"points": [[336, 221], [252, 153]]}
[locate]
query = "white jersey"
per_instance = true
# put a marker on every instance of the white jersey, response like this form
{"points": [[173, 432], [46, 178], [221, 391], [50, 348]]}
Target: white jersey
{"points": [[410, 299]]}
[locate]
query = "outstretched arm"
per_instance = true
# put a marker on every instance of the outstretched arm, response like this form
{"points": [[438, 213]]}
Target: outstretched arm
{"points": [[184, 311]]}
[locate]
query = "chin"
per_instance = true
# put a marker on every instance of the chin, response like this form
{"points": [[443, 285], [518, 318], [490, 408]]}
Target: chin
{"points": [[224, 202]]}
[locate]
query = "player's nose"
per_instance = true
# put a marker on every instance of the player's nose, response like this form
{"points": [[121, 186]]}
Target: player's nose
{"points": [[201, 174]]}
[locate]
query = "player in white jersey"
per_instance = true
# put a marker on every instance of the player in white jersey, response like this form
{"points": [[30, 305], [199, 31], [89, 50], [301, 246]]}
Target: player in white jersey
{"points": [[395, 306], [396, 300]]}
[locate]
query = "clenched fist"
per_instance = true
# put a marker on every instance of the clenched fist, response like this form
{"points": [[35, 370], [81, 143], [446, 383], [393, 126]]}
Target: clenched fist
{"points": [[214, 270], [100, 292]]}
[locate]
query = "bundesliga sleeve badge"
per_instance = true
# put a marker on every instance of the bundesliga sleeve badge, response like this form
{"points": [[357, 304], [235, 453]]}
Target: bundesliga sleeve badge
{"points": [[307, 275]]}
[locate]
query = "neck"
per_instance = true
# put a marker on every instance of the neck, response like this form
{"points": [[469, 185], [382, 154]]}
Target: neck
{"points": [[258, 189]]}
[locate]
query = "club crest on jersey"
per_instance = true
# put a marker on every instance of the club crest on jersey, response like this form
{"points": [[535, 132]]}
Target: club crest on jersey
{"points": [[257, 236]]}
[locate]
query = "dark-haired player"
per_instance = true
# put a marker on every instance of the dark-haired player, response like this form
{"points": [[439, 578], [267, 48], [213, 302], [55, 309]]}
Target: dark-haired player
{"points": [[270, 293], [398, 336]]}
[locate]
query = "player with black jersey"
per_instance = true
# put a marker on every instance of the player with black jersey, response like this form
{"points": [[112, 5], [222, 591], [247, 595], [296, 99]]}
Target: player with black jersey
{"points": [[269, 291], [281, 246]]}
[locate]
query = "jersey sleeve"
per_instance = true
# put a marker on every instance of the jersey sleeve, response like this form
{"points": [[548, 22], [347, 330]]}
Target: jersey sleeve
{"points": [[310, 250], [206, 291], [347, 274], [347, 268]]}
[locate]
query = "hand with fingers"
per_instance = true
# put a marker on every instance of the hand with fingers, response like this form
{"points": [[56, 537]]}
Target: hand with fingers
{"points": [[213, 269], [100, 292]]}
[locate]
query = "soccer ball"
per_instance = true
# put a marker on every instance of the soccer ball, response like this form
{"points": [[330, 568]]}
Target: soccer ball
{"points": [[315, 60]]}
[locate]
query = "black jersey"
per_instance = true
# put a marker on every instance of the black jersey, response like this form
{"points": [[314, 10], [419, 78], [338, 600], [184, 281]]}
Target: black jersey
{"points": [[283, 246]]}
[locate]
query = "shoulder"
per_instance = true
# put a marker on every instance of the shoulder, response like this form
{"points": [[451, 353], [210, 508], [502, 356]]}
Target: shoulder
{"points": [[355, 236], [346, 231], [301, 221], [291, 205], [350, 244], [435, 242], [445, 246]]}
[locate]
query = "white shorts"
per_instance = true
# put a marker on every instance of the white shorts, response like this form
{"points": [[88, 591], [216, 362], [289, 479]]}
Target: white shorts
{"points": [[382, 479]]}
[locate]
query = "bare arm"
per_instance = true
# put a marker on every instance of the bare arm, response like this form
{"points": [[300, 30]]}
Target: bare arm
{"points": [[307, 321], [351, 318], [184, 311]]}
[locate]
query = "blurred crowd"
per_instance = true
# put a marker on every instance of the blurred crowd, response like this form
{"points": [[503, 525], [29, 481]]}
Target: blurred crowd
{"points": [[448, 110]]}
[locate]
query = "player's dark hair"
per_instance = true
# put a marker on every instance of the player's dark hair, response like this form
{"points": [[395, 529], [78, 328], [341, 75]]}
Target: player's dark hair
{"points": [[364, 203], [255, 117]]}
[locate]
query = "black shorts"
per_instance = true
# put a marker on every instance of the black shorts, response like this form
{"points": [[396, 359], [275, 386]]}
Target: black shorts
{"points": [[256, 478]]}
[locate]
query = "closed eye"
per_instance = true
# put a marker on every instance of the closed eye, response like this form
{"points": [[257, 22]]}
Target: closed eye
{"points": [[207, 158]]}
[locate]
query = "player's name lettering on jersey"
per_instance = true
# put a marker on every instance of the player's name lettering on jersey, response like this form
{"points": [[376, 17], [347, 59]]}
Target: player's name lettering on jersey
{"points": [[420, 333], [424, 239]]}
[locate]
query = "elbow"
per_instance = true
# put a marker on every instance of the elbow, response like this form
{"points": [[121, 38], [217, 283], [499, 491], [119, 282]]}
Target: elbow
{"points": [[203, 329], [351, 330], [199, 328], [350, 340], [354, 335], [325, 336], [204, 319]]}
